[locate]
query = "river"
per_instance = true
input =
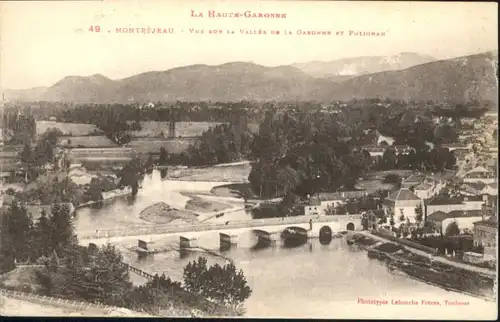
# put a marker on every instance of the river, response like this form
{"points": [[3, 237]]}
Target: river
{"points": [[312, 280]]}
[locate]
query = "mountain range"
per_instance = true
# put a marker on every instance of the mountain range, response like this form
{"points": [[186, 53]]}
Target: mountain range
{"points": [[403, 76], [343, 68]]}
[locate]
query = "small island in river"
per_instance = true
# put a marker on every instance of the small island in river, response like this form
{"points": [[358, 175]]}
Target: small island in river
{"points": [[162, 213]]}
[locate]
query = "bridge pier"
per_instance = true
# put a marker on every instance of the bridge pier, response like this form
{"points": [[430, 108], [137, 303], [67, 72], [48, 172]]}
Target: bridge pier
{"points": [[228, 240], [187, 242], [270, 238]]}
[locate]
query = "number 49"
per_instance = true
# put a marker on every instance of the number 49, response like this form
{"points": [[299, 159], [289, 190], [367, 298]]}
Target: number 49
{"points": [[95, 29]]}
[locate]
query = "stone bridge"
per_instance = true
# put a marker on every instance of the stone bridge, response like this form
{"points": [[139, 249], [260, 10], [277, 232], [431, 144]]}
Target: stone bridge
{"points": [[269, 229]]}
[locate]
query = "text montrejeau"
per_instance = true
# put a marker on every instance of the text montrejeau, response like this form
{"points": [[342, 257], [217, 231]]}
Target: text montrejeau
{"points": [[246, 14]]}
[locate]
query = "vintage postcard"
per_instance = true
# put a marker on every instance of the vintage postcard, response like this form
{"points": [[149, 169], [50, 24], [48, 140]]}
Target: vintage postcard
{"points": [[293, 159]]}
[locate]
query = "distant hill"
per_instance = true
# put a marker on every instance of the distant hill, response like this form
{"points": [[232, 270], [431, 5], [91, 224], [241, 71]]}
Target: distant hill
{"points": [[356, 66], [227, 82], [30, 94], [459, 79]]}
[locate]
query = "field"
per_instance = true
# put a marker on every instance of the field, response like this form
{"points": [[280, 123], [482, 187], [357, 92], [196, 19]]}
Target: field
{"points": [[145, 145], [71, 129], [99, 141], [183, 129], [234, 173], [382, 174], [153, 129]]}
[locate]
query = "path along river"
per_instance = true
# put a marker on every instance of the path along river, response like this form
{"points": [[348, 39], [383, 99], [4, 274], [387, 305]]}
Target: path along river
{"points": [[312, 280]]}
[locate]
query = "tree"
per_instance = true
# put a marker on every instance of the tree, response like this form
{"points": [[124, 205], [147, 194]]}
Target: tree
{"points": [[45, 146], [28, 159], [62, 235], [193, 275], [392, 222], [402, 216], [110, 275], [43, 237], [131, 174], [163, 156], [452, 229], [223, 284], [17, 233], [288, 204], [419, 214], [389, 159], [54, 262]]}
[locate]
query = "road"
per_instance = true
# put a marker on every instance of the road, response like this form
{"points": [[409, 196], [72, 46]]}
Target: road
{"points": [[24, 304], [439, 259]]}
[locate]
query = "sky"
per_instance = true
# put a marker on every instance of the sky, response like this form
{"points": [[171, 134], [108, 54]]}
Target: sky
{"points": [[42, 42]]}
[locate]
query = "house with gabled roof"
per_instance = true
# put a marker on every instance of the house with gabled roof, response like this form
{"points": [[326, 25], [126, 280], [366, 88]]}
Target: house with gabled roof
{"points": [[457, 203], [318, 204], [402, 203], [479, 174], [424, 190], [465, 219], [485, 232], [479, 189], [413, 180]]}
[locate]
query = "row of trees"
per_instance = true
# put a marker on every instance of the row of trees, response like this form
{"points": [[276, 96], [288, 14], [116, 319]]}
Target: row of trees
{"points": [[98, 274], [18, 125], [427, 159], [23, 240], [304, 155], [221, 144]]}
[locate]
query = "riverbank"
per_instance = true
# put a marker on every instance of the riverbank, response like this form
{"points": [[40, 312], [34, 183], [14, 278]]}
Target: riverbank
{"points": [[107, 196], [401, 260]]}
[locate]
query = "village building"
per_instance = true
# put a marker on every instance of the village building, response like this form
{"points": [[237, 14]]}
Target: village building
{"points": [[485, 232], [440, 220], [413, 180], [424, 190], [479, 174], [457, 146], [402, 202], [318, 204], [479, 189], [403, 149], [447, 204], [374, 150], [370, 219]]}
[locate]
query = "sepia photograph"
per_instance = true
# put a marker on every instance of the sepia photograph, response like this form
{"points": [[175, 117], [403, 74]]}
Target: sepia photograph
{"points": [[269, 159]]}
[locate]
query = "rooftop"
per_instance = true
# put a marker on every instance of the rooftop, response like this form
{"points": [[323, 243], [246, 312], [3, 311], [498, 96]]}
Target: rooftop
{"points": [[423, 186], [440, 215], [488, 223], [416, 177], [474, 185], [328, 196], [402, 195], [444, 200], [478, 169]]}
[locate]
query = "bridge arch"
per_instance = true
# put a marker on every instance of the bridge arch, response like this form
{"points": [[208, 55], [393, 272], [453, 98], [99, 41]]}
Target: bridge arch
{"points": [[294, 230], [350, 226], [325, 235], [294, 236]]}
